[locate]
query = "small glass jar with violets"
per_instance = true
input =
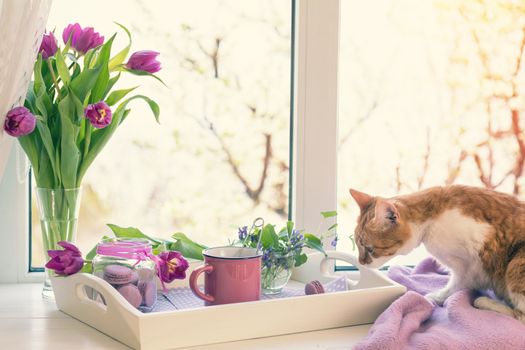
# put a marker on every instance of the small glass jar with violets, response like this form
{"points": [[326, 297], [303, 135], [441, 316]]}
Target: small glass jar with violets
{"points": [[129, 266]]}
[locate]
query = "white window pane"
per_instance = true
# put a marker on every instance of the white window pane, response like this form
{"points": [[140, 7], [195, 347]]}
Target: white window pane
{"points": [[426, 89], [227, 65]]}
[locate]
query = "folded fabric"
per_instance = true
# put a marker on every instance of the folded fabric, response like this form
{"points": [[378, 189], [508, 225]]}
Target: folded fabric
{"points": [[413, 322]]}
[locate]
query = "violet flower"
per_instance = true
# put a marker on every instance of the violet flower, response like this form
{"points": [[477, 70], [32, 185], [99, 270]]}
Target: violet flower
{"points": [[268, 257], [243, 232], [297, 238], [82, 39], [19, 122], [144, 61], [99, 114], [67, 261], [48, 47], [172, 265]]}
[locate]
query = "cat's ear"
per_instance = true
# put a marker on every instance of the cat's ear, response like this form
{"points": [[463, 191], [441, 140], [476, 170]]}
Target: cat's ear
{"points": [[386, 212], [362, 199]]}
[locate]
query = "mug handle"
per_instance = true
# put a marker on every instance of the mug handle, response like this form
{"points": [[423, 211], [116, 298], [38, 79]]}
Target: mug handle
{"points": [[326, 268], [193, 283]]}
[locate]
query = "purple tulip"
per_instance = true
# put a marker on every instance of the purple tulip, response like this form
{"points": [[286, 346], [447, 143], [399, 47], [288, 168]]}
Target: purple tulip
{"points": [[67, 261], [72, 31], [172, 266], [48, 47], [99, 114], [145, 61], [19, 122], [82, 40]]}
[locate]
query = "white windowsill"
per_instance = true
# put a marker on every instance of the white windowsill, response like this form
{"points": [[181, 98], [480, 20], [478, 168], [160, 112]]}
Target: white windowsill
{"points": [[28, 322]]}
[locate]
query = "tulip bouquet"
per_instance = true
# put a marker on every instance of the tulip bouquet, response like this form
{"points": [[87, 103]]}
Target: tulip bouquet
{"points": [[71, 110]]}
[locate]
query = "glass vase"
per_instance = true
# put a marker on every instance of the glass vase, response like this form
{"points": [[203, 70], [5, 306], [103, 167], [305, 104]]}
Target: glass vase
{"points": [[275, 276], [58, 218]]}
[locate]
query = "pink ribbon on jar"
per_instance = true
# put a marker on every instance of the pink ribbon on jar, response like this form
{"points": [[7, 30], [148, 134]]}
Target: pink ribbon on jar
{"points": [[140, 250]]}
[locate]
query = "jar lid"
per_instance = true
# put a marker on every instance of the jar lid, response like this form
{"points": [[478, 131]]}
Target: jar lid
{"points": [[124, 247]]}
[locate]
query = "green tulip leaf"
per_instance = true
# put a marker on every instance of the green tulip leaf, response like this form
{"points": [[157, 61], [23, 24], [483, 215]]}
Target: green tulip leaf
{"points": [[88, 58], [30, 101], [63, 71], [187, 247], [118, 95], [69, 152], [45, 172], [119, 58], [130, 232], [28, 145], [143, 73], [85, 81], [47, 140], [155, 109], [40, 104], [39, 85], [94, 80], [99, 90], [87, 267], [111, 83], [43, 102]]}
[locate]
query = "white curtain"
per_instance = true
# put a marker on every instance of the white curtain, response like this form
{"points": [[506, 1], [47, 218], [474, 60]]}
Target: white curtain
{"points": [[22, 23]]}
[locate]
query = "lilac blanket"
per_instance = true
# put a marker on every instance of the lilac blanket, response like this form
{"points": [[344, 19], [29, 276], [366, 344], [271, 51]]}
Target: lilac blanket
{"points": [[413, 322]]}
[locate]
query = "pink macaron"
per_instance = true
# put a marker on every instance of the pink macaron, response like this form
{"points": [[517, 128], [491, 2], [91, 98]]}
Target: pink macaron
{"points": [[314, 287], [118, 274], [132, 294], [148, 289]]}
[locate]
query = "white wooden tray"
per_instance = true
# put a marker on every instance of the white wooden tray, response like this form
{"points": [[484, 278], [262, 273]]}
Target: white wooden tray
{"points": [[369, 295]]}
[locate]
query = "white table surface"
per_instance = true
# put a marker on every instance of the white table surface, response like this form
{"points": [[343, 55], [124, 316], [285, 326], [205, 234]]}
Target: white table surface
{"points": [[29, 322]]}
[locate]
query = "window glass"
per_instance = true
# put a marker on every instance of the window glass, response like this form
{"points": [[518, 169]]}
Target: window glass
{"points": [[220, 155], [431, 93]]}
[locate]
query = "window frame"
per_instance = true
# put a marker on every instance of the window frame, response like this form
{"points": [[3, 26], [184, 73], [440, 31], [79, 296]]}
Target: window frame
{"points": [[313, 141], [15, 217]]}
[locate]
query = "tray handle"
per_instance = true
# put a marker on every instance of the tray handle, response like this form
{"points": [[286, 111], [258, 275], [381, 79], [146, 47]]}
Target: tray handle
{"points": [[71, 295], [367, 277]]}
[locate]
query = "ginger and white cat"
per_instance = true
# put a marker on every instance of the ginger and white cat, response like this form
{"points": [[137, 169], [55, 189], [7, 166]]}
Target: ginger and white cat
{"points": [[477, 233]]}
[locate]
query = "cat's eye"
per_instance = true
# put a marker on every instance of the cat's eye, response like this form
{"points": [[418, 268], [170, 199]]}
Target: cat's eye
{"points": [[369, 250]]}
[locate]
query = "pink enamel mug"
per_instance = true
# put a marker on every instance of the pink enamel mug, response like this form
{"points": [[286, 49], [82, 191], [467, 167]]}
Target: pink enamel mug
{"points": [[231, 275]]}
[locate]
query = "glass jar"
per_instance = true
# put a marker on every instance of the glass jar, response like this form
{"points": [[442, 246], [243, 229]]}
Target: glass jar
{"points": [[128, 265], [276, 271]]}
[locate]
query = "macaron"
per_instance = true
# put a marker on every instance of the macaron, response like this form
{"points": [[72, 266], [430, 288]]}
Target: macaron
{"points": [[134, 278], [314, 287], [118, 274], [132, 294], [148, 290], [145, 274]]}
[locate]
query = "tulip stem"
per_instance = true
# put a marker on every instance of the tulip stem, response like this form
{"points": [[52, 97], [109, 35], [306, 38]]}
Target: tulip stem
{"points": [[55, 81], [87, 139]]}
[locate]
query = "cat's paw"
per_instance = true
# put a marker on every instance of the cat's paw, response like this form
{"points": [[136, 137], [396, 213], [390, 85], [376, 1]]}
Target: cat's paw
{"points": [[485, 303], [438, 297]]}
